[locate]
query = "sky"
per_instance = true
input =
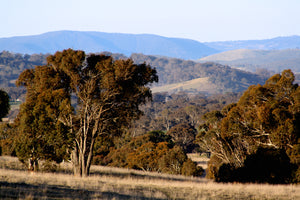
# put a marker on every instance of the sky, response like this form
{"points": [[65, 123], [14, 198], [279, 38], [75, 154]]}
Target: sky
{"points": [[201, 20]]}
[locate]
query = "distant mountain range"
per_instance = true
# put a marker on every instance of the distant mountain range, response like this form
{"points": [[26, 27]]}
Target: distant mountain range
{"points": [[127, 44], [278, 43], [112, 42]]}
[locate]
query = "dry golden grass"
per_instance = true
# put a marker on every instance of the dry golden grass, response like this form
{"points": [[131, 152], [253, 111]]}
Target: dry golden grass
{"points": [[201, 160], [198, 84], [114, 183]]}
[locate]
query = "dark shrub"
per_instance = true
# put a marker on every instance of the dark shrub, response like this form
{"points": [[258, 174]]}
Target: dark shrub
{"points": [[226, 173], [267, 165]]}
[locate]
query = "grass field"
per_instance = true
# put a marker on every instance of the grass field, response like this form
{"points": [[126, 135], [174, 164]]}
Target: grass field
{"points": [[115, 183], [203, 83]]}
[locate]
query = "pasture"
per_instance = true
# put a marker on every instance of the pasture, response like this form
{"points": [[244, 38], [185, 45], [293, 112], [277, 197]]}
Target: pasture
{"points": [[116, 183]]}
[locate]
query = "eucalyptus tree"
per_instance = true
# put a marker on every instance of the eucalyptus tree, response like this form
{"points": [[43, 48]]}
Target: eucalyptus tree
{"points": [[93, 95], [266, 116]]}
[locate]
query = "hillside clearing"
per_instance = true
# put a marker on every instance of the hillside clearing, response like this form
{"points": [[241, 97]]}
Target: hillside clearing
{"points": [[198, 84]]}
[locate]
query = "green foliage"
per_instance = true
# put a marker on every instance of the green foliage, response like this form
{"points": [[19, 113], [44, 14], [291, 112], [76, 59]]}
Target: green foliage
{"points": [[153, 151], [265, 116], [172, 161], [146, 156], [101, 149], [183, 135], [7, 137], [41, 134], [77, 97], [190, 168]]}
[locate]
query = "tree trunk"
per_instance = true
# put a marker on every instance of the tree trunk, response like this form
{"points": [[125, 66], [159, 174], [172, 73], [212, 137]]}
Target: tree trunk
{"points": [[33, 164], [76, 162], [82, 160], [89, 157]]}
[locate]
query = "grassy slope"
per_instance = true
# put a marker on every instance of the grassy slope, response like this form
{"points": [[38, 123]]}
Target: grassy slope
{"points": [[113, 183], [249, 59], [199, 85]]}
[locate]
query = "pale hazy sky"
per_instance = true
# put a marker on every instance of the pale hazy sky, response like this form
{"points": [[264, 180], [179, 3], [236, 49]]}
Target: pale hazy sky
{"points": [[202, 20]]}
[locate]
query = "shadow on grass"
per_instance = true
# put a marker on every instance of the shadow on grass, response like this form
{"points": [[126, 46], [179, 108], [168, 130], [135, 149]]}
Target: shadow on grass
{"points": [[132, 174], [28, 191]]}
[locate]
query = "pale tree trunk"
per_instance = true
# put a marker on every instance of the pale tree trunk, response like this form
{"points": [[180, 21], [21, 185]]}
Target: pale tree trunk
{"points": [[82, 155], [86, 162], [76, 161], [33, 164]]}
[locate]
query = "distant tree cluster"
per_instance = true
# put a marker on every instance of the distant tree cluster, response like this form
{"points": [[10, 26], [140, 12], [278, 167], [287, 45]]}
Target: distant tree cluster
{"points": [[154, 151], [11, 65], [167, 111]]}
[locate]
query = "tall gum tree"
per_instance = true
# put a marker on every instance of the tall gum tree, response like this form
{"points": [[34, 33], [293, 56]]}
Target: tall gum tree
{"points": [[266, 116], [100, 97]]}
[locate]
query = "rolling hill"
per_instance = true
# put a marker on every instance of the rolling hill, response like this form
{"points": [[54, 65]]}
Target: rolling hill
{"points": [[250, 60], [196, 85], [186, 75], [113, 42], [174, 74]]}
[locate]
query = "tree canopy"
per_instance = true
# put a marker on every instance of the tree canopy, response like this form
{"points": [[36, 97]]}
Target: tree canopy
{"points": [[266, 116], [91, 95]]}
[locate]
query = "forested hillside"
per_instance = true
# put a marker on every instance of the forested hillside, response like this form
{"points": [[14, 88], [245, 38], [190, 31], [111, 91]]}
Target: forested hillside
{"points": [[11, 65], [224, 78], [170, 71]]}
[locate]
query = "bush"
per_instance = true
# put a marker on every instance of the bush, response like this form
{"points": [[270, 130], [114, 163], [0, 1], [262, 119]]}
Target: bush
{"points": [[172, 161], [153, 151], [267, 165], [213, 167], [190, 168], [226, 173]]}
